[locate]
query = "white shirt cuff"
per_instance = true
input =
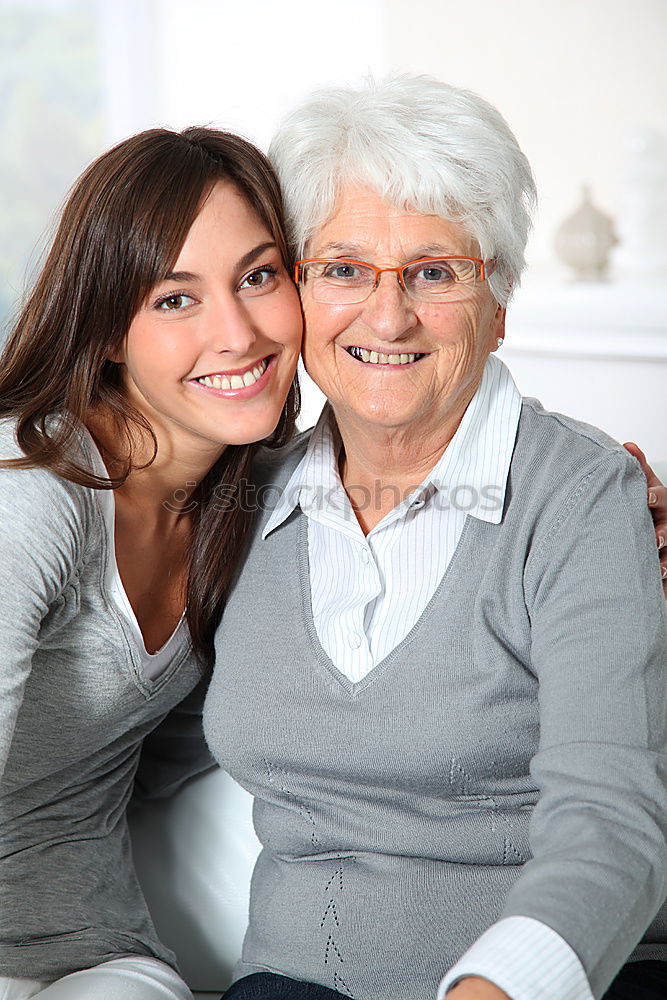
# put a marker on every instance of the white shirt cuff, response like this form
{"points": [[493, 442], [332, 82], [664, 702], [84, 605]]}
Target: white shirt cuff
{"points": [[526, 959]]}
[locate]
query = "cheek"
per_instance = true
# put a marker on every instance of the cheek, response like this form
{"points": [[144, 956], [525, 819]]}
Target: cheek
{"points": [[146, 342], [284, 320], [459, 330], [152, 362], [322, 324]]}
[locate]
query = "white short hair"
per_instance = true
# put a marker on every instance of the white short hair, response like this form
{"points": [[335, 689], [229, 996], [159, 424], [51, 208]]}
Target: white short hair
{"points": [[423, 146]]}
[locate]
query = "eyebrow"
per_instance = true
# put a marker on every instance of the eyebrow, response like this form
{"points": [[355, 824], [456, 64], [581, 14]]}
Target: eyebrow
{"points": [[181, 276], [428, 250], [437, 250], [242, 262], [252, 255]]}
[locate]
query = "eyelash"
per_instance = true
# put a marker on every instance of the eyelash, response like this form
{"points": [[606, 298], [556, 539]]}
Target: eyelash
{"points": [[172, 295], [265, 269]]}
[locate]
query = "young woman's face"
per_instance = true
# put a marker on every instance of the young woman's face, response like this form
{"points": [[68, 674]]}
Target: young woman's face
{"points": [[210, 356]]}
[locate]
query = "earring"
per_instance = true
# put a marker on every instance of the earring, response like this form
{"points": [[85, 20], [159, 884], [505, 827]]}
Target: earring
{"points": [[501, 341]]}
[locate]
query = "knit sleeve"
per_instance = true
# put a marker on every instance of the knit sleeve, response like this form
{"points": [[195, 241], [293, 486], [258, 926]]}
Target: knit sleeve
{"points": [[40, 546], [599, 866]]}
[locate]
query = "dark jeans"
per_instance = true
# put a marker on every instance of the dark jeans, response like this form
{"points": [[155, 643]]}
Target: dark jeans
{"points": [[268, 986], [635, 981]]}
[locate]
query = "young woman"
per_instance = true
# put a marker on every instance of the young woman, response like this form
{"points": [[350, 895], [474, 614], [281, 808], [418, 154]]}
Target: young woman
{"points": [[159, 343]]}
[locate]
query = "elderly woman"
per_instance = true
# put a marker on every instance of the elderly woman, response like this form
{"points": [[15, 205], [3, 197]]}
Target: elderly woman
{"points": [[442, 671]]}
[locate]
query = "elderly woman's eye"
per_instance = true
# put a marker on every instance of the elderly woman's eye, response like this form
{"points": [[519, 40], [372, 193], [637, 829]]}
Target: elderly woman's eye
{"points": [[436, 273], [343, 271], [174, 302]]}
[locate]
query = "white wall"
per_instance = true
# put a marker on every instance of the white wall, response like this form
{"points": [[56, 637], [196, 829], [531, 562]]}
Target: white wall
{"points": [[242, 66]]}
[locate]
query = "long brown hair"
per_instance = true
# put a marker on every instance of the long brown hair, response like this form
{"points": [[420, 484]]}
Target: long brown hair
{"points": [[121, 231]]}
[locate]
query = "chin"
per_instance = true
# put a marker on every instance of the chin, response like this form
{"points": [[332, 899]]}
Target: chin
{"points": [[250, 435], [383, 412]]}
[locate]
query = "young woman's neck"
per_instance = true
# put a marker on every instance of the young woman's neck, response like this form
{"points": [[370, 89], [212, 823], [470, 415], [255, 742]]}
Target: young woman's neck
{"points": [[161, 490]]}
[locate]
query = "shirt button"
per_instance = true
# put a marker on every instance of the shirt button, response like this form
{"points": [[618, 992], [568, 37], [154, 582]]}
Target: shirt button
{"points": [[354, 639], [417, 504], [364, 556]]}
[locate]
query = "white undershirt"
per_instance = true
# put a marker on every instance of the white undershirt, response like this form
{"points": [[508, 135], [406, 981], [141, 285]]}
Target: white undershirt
{"points": [[152, 664], [368, 592]]}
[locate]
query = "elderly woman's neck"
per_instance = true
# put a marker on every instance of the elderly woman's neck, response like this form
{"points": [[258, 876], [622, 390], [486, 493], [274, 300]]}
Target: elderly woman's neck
{"points": [[381, 469]]}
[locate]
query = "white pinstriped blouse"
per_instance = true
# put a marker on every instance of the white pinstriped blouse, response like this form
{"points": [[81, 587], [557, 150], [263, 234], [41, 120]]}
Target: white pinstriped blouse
{"points": [[368, 592]]}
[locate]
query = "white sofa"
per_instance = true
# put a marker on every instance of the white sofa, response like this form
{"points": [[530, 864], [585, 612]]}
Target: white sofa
{"points": [[194, 854]]}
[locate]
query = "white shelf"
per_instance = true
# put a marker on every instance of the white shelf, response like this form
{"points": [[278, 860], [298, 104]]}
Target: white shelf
{"points": [[586, 320]]}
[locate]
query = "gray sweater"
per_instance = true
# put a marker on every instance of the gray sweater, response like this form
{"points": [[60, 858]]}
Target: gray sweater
{"points": [[74, 709], [507, 758]]}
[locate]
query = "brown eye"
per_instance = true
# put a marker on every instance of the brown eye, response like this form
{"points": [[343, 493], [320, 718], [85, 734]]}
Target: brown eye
{"points": [[263, 278], [174, 302], [256, 278]]}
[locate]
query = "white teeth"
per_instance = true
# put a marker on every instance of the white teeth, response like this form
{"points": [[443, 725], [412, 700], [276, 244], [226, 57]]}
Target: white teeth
{"points": [[234, 381], [377, 358]]}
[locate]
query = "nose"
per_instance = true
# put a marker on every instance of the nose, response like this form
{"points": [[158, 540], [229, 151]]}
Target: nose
{"points": [[230, 327], [389, 311]]}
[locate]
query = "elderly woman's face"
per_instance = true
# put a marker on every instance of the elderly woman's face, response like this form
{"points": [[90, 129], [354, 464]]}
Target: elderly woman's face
{"points": [[452, 340]]}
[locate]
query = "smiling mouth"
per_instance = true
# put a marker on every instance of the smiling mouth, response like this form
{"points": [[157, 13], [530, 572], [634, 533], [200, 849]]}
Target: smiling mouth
{"points": [[376, 358], [235, 380]]}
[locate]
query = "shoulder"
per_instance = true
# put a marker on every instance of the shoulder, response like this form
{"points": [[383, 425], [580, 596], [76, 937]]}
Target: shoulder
{"points": [[555, 454], [39, 501], [560, 429], [569, 482]]}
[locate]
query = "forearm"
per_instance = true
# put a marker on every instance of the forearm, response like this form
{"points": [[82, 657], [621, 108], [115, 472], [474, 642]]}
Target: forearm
{"points": [[598, 651], [597, 835]]}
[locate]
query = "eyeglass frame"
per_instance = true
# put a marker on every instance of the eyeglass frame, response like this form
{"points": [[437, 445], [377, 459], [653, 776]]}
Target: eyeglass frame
{"points": [[483, 267]]}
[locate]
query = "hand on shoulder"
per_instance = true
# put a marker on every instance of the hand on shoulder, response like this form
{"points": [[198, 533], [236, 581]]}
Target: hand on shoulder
{"points": [[657, 501]]}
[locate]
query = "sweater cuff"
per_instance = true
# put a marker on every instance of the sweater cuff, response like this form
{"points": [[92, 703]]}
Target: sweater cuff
{"points": [[526, 959]]}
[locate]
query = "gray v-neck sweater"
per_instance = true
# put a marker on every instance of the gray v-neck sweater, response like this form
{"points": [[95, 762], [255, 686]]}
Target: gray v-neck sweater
{"points": [[507, 758], [75, 707]]}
